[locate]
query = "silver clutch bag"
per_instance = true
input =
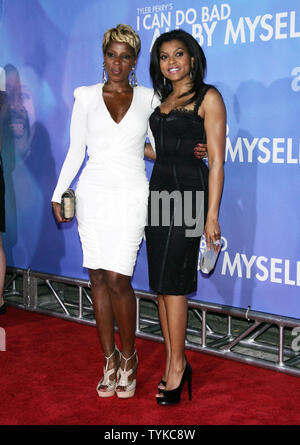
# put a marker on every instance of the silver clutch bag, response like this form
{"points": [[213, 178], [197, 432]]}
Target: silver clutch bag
{"points": [[209, 258], [68, 204]]}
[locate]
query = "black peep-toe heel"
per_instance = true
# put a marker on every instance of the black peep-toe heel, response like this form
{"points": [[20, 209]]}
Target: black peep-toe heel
{"points": [[174, 395]]}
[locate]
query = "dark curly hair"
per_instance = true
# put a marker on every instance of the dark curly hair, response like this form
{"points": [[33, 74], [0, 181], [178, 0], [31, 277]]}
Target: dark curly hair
{"points": [[163, 89]]}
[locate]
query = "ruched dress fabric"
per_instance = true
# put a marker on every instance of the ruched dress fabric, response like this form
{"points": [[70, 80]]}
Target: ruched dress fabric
{"points": [[112, 191], [172, 254]]}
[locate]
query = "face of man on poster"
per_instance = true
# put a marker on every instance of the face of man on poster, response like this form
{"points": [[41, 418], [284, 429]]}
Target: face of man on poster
{"points": [[20, 118], [22, 161]]}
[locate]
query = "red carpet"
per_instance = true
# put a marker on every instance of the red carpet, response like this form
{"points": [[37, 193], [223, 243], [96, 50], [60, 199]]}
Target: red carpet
{"points": [[51, 367]]}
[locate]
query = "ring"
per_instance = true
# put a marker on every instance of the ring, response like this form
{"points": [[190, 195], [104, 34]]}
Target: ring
{"points": [[216, 242]]}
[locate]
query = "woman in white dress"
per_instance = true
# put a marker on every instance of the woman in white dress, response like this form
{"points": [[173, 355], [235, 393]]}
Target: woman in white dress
{"points": [[111, 119]]}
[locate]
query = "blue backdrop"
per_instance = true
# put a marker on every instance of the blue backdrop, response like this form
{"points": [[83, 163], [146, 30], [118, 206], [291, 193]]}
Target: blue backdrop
{"points": [[48, 48]]}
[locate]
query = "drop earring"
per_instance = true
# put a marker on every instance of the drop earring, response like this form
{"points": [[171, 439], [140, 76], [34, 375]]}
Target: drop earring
{"points": [[104, 76], [132, 78], [192, 72]]}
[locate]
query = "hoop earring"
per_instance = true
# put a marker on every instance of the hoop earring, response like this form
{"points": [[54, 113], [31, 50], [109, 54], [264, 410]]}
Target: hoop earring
{"points": [[104, 76], [132, 78]]}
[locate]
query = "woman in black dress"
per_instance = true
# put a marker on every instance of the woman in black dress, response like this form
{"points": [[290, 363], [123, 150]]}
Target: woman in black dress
{"points": [[190, 111]]}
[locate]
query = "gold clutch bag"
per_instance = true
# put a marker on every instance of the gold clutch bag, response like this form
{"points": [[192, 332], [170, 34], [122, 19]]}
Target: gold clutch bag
{"points": [[68, 204]]}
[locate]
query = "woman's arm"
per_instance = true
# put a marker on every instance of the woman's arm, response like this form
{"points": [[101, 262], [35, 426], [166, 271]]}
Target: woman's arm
{"points": [[215, 128], [149, 152], [75, 156]]}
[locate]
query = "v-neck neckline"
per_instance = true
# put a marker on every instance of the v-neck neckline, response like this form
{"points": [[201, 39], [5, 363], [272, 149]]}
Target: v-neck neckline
{"points": [[127, 112]]}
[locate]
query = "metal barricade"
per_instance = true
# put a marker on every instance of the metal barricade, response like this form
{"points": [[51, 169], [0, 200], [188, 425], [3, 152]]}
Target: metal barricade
{"points": [[256, 338]]}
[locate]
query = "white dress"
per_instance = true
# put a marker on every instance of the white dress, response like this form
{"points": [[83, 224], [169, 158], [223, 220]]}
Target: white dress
{"points": [[112, 191]]}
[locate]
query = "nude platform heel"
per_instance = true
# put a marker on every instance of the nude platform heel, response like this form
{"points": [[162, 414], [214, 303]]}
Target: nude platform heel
{"points": [[123, 379], [107, 373]]}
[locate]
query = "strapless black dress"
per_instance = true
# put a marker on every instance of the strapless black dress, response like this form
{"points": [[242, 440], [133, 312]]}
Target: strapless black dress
{"points": [[172, 251]]}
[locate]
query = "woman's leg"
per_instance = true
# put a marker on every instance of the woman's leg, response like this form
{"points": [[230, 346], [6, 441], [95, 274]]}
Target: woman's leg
{"points": [[124, 309], [176, 314], [165, 331], [2, 270], [104, 316]]}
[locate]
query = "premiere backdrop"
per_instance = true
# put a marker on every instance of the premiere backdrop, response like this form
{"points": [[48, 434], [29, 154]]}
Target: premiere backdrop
{"points": [[48, 48]]}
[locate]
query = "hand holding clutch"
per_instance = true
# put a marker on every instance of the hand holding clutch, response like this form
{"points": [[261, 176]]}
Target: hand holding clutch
{"points": [[65, 211], [209, 257], [68, 204]]}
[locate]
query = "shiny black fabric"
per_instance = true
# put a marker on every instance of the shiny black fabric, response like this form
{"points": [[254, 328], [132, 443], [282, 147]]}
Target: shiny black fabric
{"points": [[173, 256]]}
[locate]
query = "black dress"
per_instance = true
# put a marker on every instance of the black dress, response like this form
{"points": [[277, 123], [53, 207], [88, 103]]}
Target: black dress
{"points": [[172, 254]]}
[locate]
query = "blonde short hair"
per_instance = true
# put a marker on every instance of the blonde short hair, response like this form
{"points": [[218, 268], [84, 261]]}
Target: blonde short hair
{"points": [[122, 34]]}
